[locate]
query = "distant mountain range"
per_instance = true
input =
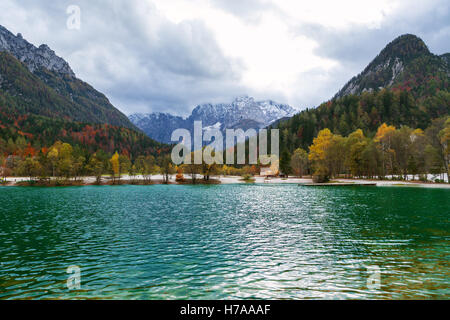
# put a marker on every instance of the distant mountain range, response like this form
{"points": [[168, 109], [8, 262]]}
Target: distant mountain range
{"points": [[42, 99], [244, 113], [405, 64]]}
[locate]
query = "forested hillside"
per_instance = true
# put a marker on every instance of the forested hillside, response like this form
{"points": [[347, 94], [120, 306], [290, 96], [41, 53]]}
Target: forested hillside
{"points": [[405, 85], [44, 106], [367, 112], [405, 63], [392, 119], [35, 114], [52, 95], [36, 80]]}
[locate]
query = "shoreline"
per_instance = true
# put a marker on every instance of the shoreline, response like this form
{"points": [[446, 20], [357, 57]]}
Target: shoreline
{"points": [[158, 179]]}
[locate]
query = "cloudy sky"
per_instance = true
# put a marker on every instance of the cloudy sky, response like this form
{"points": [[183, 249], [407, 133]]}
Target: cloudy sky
{"points": [[170, 55]]}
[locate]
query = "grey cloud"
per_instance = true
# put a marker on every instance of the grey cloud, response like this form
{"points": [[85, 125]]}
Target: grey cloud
{"points": [[249, 10], [359, 43], [126, 49], [144, 62], [318, 85], [354, 48]]}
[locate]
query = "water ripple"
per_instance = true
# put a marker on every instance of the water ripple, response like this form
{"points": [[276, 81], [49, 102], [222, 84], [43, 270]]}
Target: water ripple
{"points": [[224, 242]]}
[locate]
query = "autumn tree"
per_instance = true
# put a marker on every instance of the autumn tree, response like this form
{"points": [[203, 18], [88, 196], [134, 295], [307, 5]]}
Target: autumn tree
{"points": [[179, 177], [65, 160], [416, 158], [336, 155], [299, 162], [191, 168], [444, 137], [2, 166], [254, 170], [318, 154], [146, 166], [355, 145], [285, 163], [384, 137], [371, 160], [437, 135], [115, 166], [53, 157], [78, 166], [95, 167], [150, 167], [209, 168], [47, 167], [166, 168], [11, 146], [29, 167], [124, 164], [133, 173]]}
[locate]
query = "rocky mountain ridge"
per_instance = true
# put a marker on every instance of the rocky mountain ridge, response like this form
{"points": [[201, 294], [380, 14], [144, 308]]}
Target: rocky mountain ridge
{"points": [[243, 112], [33, 57], [34, 80], [394, 65]]}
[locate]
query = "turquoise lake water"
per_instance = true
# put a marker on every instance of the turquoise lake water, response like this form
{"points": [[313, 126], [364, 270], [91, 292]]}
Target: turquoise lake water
{"points": [[225, 242]]}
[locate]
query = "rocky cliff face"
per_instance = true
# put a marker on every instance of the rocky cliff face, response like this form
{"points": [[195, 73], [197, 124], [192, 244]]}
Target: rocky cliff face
{"points": [[397, 63], [33, 57], [34, 80], [243, 112]]}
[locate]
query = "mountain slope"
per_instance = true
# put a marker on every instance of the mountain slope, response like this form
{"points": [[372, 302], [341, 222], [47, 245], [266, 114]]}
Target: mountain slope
{"points": [[31, 110], [159, 126], [405, 63], [243, 112], [37, 81], [41, 101], [404, 85]]}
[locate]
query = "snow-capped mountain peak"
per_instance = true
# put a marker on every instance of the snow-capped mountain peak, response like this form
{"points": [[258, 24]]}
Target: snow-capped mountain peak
{"points": [[243, 112]]}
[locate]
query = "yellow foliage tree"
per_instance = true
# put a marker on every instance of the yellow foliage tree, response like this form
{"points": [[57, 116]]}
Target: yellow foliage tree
{"points": [[318, 152], [444, 136], [53, 157], [355, 146], [384, 132], [115, 165], [384, 139]]}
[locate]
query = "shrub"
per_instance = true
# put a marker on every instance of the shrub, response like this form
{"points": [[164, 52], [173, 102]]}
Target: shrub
{"points": [[321, 176], [248, 178]]}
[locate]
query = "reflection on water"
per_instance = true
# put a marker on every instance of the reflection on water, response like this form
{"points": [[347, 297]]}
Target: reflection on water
{"points": [[224, 242]]}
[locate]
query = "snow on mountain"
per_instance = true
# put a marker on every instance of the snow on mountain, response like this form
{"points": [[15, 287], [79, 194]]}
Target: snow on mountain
{"points": [[399, 59], [244, 112]]}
